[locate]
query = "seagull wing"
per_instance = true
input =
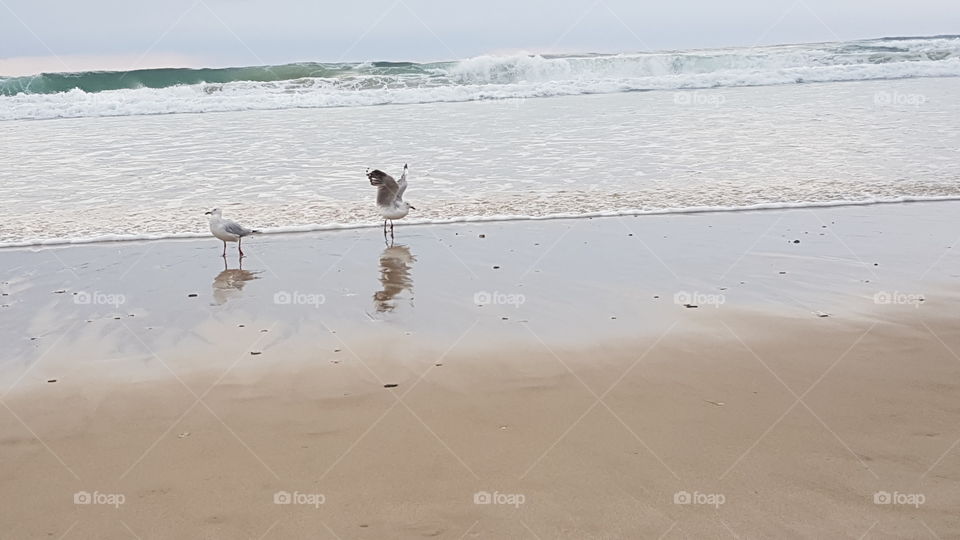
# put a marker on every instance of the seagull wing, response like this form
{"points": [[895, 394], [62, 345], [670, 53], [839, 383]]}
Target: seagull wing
{"points": [[233, 227], [387, 189], [402, 184]]}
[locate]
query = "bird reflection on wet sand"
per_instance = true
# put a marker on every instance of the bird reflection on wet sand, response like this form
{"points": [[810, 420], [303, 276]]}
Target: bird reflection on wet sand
{"points": [[395, 263], [230, 282]]}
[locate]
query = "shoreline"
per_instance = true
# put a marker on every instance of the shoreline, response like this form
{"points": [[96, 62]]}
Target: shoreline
{"points": [[794, 263], [314, 228]]}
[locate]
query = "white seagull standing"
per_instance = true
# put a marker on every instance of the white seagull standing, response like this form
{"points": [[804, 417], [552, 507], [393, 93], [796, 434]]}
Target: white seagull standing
{"points": [[227, 230], [390, 196]]}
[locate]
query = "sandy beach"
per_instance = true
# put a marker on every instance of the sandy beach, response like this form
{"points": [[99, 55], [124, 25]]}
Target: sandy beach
{"points": [[768, 374]]}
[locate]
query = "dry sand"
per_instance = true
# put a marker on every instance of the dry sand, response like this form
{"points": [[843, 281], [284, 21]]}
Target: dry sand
{"points": [[583, 396]]}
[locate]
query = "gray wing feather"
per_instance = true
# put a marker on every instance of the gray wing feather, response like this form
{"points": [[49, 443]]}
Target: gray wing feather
{"points": [[233, 227], [402, 185], [388, 191]]}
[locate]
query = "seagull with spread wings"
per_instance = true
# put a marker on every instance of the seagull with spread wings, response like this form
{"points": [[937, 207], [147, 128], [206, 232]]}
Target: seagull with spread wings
{"points": [[390, 196]]}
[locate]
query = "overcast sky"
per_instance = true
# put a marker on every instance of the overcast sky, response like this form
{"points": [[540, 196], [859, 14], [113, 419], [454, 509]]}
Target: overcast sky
{"points": [[47, 35]]}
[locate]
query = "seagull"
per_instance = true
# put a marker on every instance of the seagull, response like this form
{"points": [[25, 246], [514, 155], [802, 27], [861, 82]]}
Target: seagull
{"points": [[227, 230], [390, 196]]}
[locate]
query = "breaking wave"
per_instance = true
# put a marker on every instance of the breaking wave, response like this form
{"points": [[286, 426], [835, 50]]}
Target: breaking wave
{"points": [[317, 85]]}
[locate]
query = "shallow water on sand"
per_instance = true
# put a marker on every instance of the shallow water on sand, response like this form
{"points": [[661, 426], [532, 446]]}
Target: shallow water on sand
{"points": [[154, 176]]}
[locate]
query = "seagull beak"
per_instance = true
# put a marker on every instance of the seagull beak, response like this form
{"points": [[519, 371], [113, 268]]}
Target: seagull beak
{"points": [[411, 207], [207, 213]]}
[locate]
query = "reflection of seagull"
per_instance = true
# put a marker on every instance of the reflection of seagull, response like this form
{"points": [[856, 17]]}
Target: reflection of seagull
{"points": [[395, 262], [230, 281], [390, 196], [227, 230]]}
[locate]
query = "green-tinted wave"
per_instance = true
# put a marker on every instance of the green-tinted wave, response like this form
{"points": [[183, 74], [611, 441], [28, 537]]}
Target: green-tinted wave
{"points": [[99, 81]]}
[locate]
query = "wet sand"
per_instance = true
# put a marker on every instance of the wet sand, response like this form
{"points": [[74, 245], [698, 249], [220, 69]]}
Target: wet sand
{"points": [[555, 365]]}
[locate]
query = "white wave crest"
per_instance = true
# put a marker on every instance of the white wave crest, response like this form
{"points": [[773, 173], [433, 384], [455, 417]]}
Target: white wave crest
{"points": [[519, 76]]}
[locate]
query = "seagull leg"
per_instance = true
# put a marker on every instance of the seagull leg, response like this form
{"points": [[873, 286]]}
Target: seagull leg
{"points": [[239, 248], [224, 250], [391, 229]]}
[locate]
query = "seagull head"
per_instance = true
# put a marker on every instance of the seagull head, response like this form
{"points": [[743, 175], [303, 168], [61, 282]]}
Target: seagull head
{"points": [[215, 212]]}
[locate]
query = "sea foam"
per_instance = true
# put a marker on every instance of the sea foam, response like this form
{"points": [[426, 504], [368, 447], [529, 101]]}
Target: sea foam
{"points": [[318, 85]]}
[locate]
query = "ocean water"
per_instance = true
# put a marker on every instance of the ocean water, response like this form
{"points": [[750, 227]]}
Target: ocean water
{"points": [[98, 156]]}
